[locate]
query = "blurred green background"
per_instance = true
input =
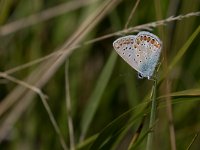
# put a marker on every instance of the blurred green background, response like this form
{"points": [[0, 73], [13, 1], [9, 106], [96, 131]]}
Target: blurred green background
{"points": [[102, 86]]}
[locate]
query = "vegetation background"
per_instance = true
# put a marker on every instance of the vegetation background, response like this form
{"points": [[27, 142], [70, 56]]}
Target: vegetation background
{"points": [[63, 50]]}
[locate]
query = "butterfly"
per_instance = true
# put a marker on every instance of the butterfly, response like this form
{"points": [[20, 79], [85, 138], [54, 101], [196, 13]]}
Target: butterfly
{"points": [[141, 52]]}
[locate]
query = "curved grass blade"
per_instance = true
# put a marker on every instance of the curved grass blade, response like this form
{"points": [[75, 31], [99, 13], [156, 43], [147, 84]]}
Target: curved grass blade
{"points": [[137, 133], [119, 123], [134, 146], [87, 142]]}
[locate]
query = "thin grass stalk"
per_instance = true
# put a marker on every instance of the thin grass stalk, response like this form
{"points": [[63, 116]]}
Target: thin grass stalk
{"points": [[131, 15], [170, 115], [167, 84], [152, 116], [69, 107], [43, 97], [190, 145], [54, 123]]}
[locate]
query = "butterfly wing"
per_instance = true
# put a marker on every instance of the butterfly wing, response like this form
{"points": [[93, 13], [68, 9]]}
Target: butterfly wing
{"points": [[141, 52], [124, 46], [150, 46]]}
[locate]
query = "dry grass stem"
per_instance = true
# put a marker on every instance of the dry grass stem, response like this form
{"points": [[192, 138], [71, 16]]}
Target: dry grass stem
{"points": [[170, 116], [147, 26], [6, 125], [22, 83], [169, 109], [151, 25], [42, 16], [190, 145]]}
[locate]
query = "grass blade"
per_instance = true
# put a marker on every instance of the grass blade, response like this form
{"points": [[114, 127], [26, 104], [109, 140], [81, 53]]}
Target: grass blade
{"points": [[95, 98], [185, 47]]}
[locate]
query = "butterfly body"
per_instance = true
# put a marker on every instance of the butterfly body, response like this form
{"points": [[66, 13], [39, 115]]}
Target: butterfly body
{"points": [[141, 52]]}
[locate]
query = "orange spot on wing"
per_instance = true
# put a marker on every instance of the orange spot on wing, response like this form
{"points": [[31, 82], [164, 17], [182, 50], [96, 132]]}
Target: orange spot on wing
{"points": [[120, 42], [152, 41], [148, 39], [138, 41], [158, 45], [123, 41], [128, 41]]}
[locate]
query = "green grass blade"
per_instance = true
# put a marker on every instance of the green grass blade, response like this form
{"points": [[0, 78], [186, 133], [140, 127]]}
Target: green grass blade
{"points": [[185, 47], [134, 146], [190, 145], [117, 126], [185, 93], [95, 98], [87, 142]]}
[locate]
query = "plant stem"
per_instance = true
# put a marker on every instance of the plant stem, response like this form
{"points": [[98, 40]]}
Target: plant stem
{"points": [[152, 116]]}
